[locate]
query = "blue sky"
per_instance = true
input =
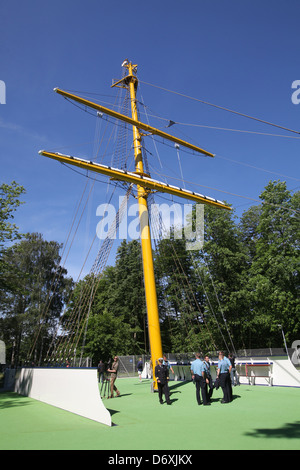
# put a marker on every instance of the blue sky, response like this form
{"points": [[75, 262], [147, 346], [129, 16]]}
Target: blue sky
{"points": [[242, 55]]}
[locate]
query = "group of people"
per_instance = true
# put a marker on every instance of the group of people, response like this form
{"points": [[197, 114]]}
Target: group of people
{"points": [[113, 370], [202, 379], [201, 376]]}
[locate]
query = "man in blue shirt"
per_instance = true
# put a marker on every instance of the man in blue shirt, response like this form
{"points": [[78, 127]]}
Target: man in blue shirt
{"points": [[198, 376], [166, 363], [223, 372]]}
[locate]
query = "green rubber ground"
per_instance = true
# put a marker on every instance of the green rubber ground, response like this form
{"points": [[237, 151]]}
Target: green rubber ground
{"points": [[265, 418]]}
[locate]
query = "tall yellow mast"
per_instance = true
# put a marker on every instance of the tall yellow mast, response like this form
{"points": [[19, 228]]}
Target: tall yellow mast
{"points": [[145, 184], [149, 278]]}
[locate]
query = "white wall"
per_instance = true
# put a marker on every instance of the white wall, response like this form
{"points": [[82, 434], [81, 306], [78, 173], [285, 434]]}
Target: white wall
{"points": [[74, 390]]}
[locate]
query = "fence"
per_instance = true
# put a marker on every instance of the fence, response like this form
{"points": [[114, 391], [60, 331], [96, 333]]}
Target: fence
{"points": [[127, 364]]}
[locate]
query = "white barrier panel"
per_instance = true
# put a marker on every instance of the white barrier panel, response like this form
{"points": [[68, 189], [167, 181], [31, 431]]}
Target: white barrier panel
{"points": [[255, 370], [285, 373], [147, 373], [74, 390], [273, 370]]}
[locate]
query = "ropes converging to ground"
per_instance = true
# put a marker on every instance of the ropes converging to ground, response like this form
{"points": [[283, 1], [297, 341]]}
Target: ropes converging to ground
{"points": [[71, 331], [75, 326], [195, 310]]}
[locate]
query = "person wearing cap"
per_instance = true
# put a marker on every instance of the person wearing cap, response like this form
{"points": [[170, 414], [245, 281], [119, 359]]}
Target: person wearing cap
{"points": [[162, 377]]}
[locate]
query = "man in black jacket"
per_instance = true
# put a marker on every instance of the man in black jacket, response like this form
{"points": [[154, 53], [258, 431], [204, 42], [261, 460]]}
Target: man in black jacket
{"points": [[162, 377], [208, 377]]}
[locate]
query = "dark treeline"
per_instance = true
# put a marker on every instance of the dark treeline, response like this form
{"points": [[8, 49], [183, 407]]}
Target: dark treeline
{"points": [[232, 294]]}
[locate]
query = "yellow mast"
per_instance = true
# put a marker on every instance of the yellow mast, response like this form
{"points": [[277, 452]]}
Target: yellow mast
{"points": [[144, 185], [149, 278]]}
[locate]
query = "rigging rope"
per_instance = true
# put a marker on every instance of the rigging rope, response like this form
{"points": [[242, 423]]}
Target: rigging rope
{"points": [[218, 128], [67, 345], [196, 266], [159, 228], [76, 325], [222, 108], [278, 206], [156, 221], [218, 156], [56, 276], [60, 268], [78, 320]]}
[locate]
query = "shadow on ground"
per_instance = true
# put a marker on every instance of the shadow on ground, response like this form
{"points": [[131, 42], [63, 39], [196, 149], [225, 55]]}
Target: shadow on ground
{"points": [[289, 430], [9, 400]]}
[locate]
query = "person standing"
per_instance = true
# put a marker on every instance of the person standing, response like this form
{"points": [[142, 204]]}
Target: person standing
{"points": [[166, 363], [208, 377], [113, 376], [198, 376], [162, 377], [169, 367], [140, 368], [101, 370], [223, 373], [233, 373]]}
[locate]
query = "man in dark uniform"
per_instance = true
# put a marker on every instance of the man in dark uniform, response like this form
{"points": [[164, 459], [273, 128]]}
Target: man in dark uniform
{"points": [[101, 371], [199, 377], [208, 377], [162, 377], [223, 372]]}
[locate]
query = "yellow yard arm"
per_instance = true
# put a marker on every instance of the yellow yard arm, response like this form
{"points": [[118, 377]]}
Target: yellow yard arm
{"points": [[130, 177], [133, 122]]}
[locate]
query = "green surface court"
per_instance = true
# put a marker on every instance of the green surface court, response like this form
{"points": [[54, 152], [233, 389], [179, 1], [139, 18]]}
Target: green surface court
{"points": [[264, 418]]}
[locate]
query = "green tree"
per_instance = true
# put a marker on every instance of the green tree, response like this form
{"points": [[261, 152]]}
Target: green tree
{"points": [[232, 294], [30, 314], [222, 269], [9, 202], [117, 319], [273, 287], [180, 301]]}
